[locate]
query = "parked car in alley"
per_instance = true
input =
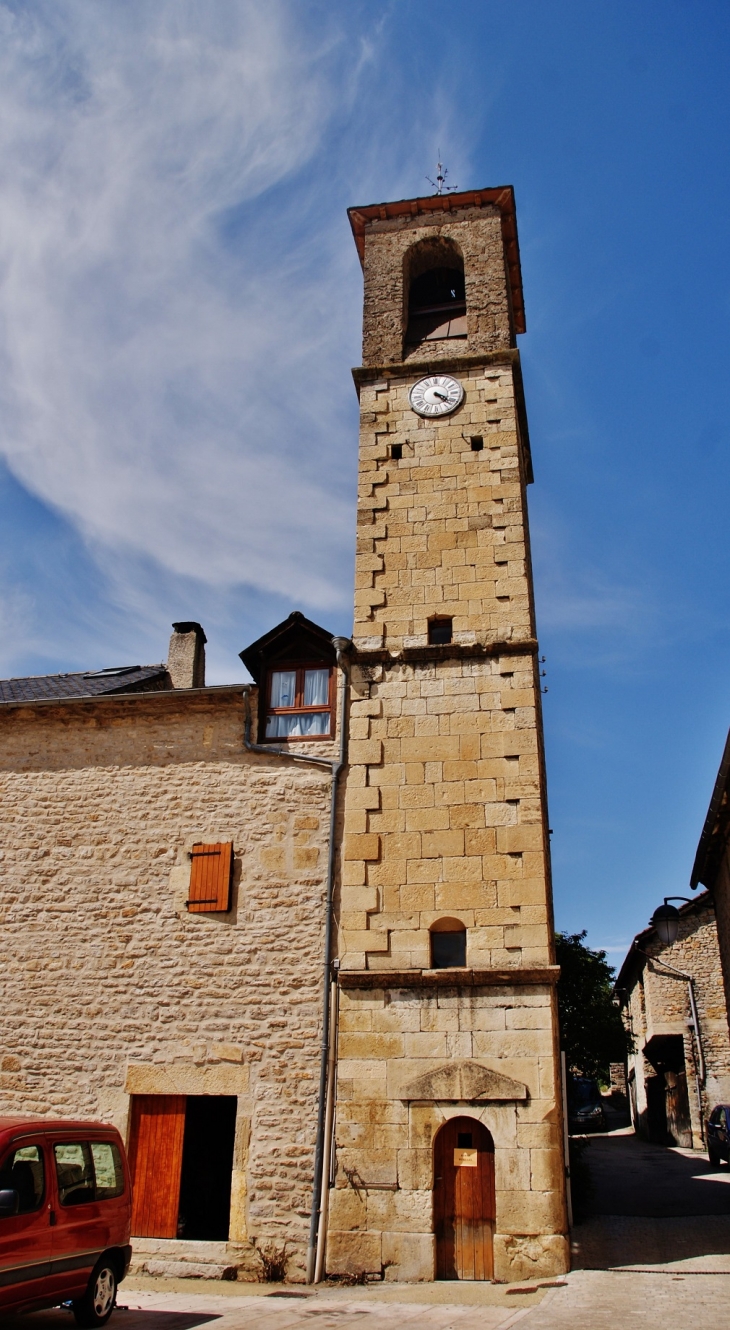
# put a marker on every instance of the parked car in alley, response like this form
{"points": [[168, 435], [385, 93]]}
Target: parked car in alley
{"points": [[718, 1134], [65, 1212], [585, 1109]]}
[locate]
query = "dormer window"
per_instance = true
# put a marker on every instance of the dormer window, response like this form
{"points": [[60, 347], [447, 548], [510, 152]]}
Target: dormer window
{"points": [[294, 667], [299, 704]]}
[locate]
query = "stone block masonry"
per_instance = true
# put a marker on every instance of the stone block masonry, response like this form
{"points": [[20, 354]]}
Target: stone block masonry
{"points": [[441, 530], [381, 1209], [444, 814], [388, 248], [109, 987], [445, 822], [656, 1006]]}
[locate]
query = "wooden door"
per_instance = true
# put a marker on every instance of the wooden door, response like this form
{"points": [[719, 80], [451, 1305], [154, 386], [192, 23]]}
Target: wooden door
{"points": [[679, 1123], [464, 1201], [155, 1160]]}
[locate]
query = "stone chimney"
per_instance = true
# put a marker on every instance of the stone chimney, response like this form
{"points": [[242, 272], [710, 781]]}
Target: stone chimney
{"points": [[186, 657]]}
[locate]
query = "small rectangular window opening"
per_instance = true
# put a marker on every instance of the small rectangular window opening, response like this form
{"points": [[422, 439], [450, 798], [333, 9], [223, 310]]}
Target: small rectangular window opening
{"points": [[439, 632], [477, 443], [448, 950], [396, 451]]}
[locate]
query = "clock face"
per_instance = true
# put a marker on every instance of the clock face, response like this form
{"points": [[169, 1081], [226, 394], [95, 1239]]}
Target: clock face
{"points": [[437, 395]]}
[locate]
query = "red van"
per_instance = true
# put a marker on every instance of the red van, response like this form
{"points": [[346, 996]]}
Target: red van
{"points": [[65, 1211]]}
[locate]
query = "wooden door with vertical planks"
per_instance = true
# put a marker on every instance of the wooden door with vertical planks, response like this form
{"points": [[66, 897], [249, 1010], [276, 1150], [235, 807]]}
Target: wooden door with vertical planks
{"points": [[464, 1200], [155, 1161]]}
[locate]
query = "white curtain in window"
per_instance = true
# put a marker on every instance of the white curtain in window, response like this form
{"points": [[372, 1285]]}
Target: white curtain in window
{"points": [[297, 726], [283, 688], [316, 688]]}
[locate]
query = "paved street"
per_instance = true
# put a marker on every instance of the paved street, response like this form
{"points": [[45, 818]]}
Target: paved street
{"points": [[632, 1177], [655, 1250], [428, 1307], [653, 1207], [589, 1300]]}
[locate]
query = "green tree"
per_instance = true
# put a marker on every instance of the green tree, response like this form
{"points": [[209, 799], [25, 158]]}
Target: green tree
{"points": [[591, 1030]]}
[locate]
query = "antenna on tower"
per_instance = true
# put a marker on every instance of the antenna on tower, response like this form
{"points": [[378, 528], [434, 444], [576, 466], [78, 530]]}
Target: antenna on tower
{"points": [[439, 183]]}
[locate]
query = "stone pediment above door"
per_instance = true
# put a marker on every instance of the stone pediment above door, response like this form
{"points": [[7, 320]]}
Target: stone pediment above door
{"points": [[463, 1080]]}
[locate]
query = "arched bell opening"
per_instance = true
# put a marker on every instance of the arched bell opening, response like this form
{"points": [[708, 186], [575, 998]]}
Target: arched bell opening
{"points": [[448, 944], [464, 1200], [434, 281]]}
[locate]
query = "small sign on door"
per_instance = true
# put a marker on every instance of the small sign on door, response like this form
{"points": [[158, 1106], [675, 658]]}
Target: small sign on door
{"points": [[465, 1158]]}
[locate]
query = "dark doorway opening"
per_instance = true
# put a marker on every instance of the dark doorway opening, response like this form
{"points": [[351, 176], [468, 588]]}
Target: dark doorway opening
{"points": [[667, 1097], [207, 1162]]}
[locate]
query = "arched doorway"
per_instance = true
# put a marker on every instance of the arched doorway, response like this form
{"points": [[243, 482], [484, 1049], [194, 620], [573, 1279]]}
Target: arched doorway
{"points": [[463, 1200]]}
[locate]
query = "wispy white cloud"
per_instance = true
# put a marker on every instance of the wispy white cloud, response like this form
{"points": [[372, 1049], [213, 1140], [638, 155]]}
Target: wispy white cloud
{"points": [[163, 386], [17, 625], [596, 612]]}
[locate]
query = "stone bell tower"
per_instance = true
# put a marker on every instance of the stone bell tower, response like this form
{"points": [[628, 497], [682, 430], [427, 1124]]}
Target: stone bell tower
{"points": [[448, 1119]]}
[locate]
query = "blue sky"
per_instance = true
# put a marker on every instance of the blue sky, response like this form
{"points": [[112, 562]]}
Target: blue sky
{"points": [[180, 308]]}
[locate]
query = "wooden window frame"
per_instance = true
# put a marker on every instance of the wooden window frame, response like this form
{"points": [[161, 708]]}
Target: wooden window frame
{"points": [[298, 710]]}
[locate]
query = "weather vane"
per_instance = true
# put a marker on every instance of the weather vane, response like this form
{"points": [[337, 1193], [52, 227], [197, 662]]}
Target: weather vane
{"points": [[439, 183]]}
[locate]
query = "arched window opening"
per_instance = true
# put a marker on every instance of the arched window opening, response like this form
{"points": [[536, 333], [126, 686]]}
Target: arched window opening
{"points": [[436, 296], [448, 945]]}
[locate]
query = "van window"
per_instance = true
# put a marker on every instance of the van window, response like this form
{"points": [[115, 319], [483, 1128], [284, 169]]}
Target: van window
{"points": [[108, 1170], [22, 1171], [75, 1172]]}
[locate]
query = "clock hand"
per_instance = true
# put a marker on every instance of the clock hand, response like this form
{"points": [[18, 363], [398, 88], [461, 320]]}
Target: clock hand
{"points": [[443, 396]]}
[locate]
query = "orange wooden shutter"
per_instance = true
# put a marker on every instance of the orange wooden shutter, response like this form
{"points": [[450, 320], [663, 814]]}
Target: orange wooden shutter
{"points": [[210, 878], [155, 1161]]}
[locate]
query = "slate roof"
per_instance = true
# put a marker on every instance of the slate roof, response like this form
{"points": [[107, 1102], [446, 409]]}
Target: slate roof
{"points": [[93, 683]]}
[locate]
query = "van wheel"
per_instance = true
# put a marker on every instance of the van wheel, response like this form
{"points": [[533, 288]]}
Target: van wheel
{"points": [[97, 1304]]}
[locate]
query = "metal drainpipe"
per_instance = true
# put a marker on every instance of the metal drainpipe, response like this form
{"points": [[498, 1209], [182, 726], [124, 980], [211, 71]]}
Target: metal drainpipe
{"points": [[341, 645], [337, 767], [700, 1079], [329, 1120]]}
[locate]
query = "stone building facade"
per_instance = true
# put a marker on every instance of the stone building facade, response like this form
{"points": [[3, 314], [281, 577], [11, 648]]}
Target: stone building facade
{"points": [[384, 804], [112, 989], [711, 867], [677, 1069]]}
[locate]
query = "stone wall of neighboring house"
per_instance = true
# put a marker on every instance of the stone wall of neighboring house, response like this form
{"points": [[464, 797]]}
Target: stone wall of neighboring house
{"points": [[658, 1006], [721, 895], [109, 986]]}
